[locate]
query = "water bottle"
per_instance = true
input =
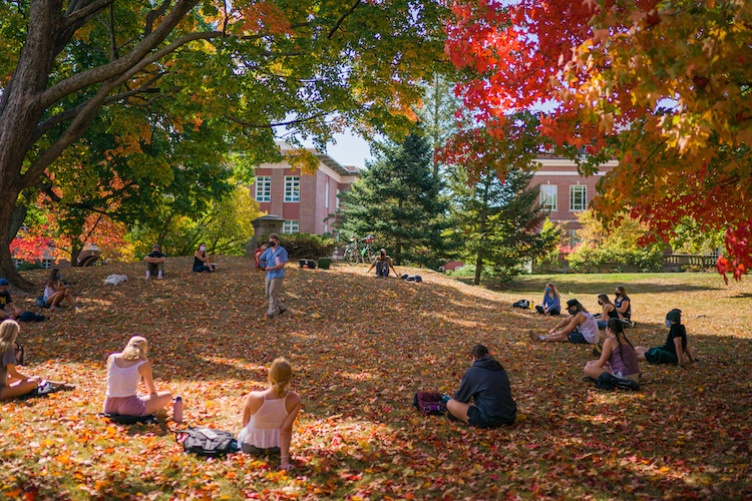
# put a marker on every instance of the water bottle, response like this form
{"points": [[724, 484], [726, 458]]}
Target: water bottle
{"points": [[177, 410]]}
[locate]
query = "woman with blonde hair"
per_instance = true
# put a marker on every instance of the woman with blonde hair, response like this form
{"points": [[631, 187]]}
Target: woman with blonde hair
{"points": [[551, 301], [12, 383], [124, 371], [268, 415]]}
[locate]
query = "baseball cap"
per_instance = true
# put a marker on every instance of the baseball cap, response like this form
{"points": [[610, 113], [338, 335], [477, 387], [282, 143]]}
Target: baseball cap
{"points": [[3, 282]]}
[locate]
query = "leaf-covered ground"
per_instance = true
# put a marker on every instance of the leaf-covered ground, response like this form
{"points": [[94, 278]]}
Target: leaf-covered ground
{"points": [[361, 347]]}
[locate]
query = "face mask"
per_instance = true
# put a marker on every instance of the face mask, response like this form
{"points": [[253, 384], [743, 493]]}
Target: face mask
{"points": [[59, 276], [274, 244], [571, 312], [202, 248], [548, 289], [617, 294], [600, 303], [668, 323]]}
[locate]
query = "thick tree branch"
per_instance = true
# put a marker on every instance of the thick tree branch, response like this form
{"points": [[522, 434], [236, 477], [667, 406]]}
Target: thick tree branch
{"points": [[121, 65], [342, 20], [69, 114], [74, 15], [155, 14]]}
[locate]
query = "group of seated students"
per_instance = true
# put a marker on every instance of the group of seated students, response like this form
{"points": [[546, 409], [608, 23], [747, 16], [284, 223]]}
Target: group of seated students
{"points": [[617, 355], [268, 415], [155, 261]]}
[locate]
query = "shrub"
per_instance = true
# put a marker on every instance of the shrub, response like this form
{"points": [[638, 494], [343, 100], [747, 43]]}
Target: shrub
{"points": [[306, 246]]}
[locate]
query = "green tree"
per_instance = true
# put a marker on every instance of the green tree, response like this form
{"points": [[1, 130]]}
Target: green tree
{"points": [[397, 199], [616, 245], [226, 72]]}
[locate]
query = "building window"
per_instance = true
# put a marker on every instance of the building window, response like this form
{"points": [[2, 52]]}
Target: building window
{"points": [[326, 195], [18, 262], [290, 227], [574, 238], [47, 263], [549, 197], [292, 189], [577, 197], [263, 189], [336, 204]]}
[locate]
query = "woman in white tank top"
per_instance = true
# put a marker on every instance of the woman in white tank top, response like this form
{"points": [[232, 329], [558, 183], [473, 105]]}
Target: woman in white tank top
{"points": [[124, 372], [268, 415]]}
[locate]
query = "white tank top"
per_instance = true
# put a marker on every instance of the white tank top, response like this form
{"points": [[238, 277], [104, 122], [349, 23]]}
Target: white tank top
{"points": [[123, 382], [589, 328], [262, 430]]}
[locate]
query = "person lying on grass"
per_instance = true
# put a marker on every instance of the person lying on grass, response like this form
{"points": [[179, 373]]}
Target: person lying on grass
{"points": [[124, 371], [268, 415], [487, 384], [675, 350], [12, 383], [618, 356], [579, 328]]}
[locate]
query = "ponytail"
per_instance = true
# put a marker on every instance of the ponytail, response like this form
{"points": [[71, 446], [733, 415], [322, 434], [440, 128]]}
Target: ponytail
{"points": [[280, 375]]}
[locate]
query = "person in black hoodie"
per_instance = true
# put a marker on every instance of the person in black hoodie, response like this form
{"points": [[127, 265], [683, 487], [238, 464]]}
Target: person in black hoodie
{"points": [[486, 382]]}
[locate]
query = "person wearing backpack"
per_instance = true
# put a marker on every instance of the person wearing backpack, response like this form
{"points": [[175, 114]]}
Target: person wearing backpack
{"points": [[12, 383], [487, 384], [268, 415], [675, 350], [618, 356], [125, 371]]}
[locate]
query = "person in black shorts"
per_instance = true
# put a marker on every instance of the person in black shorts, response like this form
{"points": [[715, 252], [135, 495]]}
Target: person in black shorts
{"points": [[487, 384]]}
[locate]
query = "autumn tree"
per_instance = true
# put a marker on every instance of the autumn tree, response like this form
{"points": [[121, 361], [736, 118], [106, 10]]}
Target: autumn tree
{"points": [[397, 198], [496, 213], [676, 115], [228, 71]]}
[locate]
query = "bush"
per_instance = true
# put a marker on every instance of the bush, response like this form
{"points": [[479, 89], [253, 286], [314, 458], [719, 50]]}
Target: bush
{"points": [[306, 246]]}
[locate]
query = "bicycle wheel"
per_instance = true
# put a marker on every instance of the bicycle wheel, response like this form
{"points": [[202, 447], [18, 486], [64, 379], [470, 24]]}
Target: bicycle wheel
{"points": [[351, 256], [370, 255]]}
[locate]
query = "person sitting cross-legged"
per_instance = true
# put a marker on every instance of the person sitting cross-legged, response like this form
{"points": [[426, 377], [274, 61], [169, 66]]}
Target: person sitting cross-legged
{"points": [[7, 308], [579, 328], [618, 357], [487, 384]]}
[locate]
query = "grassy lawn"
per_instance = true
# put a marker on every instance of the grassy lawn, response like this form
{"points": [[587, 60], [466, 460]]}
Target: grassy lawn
{"points": [[361, 348]]}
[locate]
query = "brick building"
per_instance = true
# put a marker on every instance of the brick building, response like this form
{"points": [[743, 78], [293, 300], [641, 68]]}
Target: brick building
{"points": [[564, 192], [305, 201]]}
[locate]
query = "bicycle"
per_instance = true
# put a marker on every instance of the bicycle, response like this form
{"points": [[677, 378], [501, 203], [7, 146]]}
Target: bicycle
{"points": [[354, 253]]}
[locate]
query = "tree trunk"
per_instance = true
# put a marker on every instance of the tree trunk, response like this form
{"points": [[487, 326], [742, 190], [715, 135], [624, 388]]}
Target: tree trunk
{"points": [[478, 267], [7, 270], [76, 248]]}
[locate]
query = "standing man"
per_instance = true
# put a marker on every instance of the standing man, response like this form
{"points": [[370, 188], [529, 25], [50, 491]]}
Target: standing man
{"points": [[8, 310], [273, 261], [155, 262]]}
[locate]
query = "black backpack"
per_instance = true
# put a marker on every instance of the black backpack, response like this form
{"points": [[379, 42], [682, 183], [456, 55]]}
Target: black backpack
{"points": [[207, 442], [608, 381]]}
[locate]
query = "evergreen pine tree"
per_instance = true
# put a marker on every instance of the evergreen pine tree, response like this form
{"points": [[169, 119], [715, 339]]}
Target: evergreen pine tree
{"points": [[397, 199]]}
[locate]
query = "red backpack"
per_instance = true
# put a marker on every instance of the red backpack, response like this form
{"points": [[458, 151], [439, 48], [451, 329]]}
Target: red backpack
{"points": [[429, 403]]}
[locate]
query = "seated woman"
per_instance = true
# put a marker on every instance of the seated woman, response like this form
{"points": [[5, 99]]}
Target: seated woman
{"points": [[55, 291], [623, 305], [268, 415], [551, 301], [201, 260], [12, 383], [675, 350], [124, 371], [618, 357], [579, 328], [487, 384], [608, 311], [382, 264]]}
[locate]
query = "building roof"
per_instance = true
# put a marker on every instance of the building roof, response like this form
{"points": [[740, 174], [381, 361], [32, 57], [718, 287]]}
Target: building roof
{"points": [[342, 170]]}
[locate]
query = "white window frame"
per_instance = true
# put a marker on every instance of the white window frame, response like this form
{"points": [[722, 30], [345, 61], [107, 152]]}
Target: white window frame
{"points": [[549, 197], [263, 188], [326, 195], [573, 190], [291, 226], [48, 263], [292, 189]]}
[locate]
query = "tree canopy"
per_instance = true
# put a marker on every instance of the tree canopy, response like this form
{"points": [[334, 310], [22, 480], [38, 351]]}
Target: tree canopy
{"points": [[141, 88], [661, 86]]}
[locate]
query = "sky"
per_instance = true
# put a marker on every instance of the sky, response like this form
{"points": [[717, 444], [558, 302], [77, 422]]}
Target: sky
{"points": [[349, 150]]}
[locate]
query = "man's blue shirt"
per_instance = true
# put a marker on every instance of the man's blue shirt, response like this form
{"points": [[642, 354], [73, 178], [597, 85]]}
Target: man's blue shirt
{"points": [[273, 257]]}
